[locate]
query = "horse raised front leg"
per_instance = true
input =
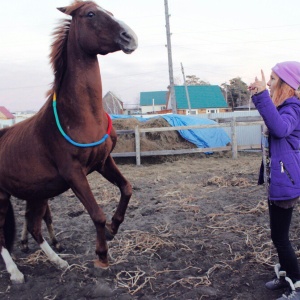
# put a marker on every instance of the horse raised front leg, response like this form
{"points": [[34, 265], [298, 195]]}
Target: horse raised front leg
{"points": [[35, 211], [111, 172], [48, 221], [7, 233]]}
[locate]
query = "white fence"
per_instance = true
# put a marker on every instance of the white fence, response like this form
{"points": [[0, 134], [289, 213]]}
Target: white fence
{"points": [[232, 126], [245, 135]]}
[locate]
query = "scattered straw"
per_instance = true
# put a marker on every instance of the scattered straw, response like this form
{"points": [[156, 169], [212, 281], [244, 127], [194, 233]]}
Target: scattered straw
{"points": [[222, 181], [35, 258], [73, 267], [133, 281], [137, 243]]}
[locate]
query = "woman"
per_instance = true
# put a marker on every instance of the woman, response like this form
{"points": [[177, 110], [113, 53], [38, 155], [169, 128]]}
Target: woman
{"points": [[281, 164]]}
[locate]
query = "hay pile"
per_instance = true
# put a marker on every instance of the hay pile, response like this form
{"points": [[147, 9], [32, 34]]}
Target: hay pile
{"points": [[150, 141]]}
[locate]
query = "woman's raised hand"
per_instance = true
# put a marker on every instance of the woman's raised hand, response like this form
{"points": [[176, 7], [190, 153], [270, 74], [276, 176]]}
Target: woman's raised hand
{"points": [[258, 85]]}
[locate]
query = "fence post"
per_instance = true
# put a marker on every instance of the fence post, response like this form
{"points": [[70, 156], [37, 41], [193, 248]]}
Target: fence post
{"points": [[233, 139], [137, 146]]}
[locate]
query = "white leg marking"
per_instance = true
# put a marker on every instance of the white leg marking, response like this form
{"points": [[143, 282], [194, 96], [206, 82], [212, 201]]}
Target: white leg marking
{"points": [[53, 257], [15, 275]]}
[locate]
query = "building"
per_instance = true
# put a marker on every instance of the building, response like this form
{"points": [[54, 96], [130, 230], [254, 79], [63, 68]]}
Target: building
{"points": [[112, 104], [6, 118], [153, 102], [203, 99], [23, 115]]}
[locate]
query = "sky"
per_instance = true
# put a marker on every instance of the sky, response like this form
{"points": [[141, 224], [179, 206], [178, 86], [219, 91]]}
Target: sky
{"points": [[213, 39]]}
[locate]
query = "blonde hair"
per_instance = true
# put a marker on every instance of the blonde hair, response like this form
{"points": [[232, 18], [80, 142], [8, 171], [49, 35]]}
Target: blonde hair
{"points": [[282, 92]]}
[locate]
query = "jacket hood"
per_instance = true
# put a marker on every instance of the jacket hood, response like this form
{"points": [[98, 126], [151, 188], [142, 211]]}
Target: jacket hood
{"points": [[292, 100]]}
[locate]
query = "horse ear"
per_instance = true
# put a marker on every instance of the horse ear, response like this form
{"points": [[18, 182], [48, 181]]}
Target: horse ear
{"points": [[63, 9]]}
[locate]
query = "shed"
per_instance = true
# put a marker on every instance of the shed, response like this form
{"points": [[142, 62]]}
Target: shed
{"points": [[151, 102], [112, 104]]}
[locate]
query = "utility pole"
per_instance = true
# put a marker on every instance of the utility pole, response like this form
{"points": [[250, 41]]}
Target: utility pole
{"points": [[186, 90], [172, 92], [153, 105]]}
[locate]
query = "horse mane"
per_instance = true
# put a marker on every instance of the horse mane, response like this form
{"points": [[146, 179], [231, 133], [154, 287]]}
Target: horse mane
{"points": [[58, 54]]}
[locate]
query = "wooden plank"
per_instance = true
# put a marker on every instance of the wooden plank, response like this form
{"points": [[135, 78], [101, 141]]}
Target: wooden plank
{"points": [[184, 151], [249, 123], [123, 154], [141, 130], [156, 129], [159, 129], [130, 131], [238, 119], [249, 147], [137, 146], [172, 152], [233, 139]]}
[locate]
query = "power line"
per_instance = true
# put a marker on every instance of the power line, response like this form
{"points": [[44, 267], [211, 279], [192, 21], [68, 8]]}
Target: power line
{"points": [[23, 87]]}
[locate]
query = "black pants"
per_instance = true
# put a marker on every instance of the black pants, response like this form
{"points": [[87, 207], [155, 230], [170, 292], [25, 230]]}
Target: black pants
{"points": [[280, 220]]}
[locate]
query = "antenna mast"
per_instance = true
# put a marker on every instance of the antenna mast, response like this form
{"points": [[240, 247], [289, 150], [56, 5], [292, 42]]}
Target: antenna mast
{"points": [[186, 90]]}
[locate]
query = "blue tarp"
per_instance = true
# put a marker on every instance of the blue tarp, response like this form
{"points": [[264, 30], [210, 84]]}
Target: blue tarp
{"points": [[202, 138]]}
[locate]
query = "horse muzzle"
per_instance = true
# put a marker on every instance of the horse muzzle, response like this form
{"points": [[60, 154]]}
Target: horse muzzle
{"points": [[128, 40]]}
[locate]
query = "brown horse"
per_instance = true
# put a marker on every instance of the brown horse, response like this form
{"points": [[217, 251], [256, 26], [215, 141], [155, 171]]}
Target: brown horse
{"points": [[70, 137]]}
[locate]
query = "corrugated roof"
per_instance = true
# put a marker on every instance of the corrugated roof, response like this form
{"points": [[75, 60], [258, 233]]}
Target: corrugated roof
{"points": [[160, 98], [5, 114], [201, 96]]}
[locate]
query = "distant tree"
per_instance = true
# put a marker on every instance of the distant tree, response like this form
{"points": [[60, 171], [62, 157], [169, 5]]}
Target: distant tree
{"points": [[177, 80], [237, 92], [194, 80]]}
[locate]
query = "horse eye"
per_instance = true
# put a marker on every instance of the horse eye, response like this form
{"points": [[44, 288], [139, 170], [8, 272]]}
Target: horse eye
{"points": [[90, 14]]}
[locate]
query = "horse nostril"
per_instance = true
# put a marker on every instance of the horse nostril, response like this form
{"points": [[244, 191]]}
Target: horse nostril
{"points": [[125, 36]]}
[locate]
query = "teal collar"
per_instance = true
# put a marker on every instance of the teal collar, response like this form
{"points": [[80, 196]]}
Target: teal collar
{"points": [[69, 139]]}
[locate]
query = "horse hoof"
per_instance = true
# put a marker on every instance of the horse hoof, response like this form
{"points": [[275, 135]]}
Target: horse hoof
{"points": [[24, 246], [58, 248], [63, 265], [17, 278], [108, 232], [24, 249], [100, 264]]}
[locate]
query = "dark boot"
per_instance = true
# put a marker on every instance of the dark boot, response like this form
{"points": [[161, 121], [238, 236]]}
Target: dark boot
{"points": [[279, 281], [294, 292]]}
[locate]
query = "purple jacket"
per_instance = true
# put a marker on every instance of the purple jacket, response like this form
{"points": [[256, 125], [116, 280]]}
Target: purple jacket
{"points": [[284, 144]]}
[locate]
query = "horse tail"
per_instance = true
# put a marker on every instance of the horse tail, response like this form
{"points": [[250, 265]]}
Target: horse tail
{"points": [[9, 227]]}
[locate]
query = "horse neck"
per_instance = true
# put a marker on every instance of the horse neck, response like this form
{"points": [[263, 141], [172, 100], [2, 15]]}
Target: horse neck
{"points": [[81, 87]]}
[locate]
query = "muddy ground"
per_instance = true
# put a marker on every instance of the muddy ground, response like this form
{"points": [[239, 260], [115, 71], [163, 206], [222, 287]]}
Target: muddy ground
{"points": [[196, 228]]}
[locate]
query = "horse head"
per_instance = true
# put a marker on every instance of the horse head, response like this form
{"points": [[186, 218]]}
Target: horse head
{"points": [[98, 31]]}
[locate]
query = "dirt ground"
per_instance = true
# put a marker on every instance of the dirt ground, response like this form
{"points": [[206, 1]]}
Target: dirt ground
{"points": [[196, 228]]}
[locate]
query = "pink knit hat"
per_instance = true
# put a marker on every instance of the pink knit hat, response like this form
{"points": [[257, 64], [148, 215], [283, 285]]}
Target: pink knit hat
{"points": [[289, 72]]}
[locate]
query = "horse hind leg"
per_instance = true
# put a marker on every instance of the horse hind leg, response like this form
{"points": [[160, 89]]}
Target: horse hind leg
{"points": [[48, 221], [111, 172], [7, 231], [24, 238], [35, 211]]}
